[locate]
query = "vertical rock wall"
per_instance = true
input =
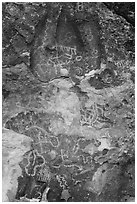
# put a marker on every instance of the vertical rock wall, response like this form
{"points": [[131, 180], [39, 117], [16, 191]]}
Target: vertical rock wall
{"points": [[68, 102]]}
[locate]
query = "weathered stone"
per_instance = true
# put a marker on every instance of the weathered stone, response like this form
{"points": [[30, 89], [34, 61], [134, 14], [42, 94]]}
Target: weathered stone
{"points": [[81, 120], [14, 146], [98, 180], [65, 195]]}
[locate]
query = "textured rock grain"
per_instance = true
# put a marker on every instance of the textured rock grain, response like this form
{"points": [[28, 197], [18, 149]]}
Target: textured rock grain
{"points": [[81, 121], [14, 147]]}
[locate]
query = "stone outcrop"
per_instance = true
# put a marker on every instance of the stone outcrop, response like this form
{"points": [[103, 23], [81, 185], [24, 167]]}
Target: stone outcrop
{"points": [[68, 102], [14, 147]]}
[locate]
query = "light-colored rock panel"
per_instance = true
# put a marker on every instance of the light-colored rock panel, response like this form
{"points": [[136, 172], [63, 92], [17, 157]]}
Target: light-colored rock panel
{"points": [[14, 146]]}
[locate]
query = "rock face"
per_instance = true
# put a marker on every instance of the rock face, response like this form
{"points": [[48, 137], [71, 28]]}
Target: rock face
{"points": [[14, 146], [62, 43], [42, 67], [73, 99]]}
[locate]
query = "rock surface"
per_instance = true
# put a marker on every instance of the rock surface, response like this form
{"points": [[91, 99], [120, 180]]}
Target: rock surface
{"points": [[14, 146], [72, 93]]}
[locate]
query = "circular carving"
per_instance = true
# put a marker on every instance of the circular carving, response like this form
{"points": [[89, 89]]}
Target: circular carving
{"points": [[107, 76]]}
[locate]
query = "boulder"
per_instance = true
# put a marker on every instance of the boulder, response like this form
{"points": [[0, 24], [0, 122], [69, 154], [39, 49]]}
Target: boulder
{"points": [[14, 146]]}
